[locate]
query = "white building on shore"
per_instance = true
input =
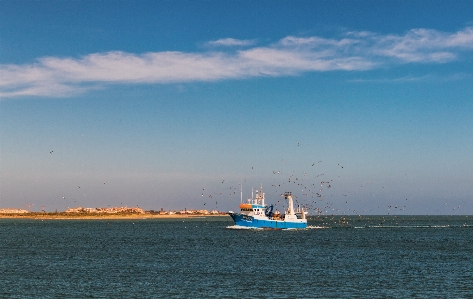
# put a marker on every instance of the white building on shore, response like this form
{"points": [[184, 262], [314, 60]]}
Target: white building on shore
{"points": [[13, 211], [114, 210]]}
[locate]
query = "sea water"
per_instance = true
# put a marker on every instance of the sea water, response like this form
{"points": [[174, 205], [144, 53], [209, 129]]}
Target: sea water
{"points": [[338, 257]]}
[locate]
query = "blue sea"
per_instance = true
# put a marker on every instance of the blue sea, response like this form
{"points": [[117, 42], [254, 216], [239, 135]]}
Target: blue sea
{"points": [[338, 257]]}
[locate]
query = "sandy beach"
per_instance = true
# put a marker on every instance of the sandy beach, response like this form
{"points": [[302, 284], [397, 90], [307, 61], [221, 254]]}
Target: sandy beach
{"points": [[62, 216]]}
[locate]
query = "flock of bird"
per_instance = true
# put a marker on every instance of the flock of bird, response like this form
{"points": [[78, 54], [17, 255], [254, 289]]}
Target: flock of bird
{"points": [[312, 192]]}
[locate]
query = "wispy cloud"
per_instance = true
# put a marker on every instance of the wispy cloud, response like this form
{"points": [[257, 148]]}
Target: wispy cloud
{"points": [[422, 45], [425, 78], [231, 42], [395, 80], [355, 51]]}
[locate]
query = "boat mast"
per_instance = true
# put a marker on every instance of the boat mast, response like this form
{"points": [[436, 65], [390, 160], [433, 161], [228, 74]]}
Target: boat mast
{"points": [[262, 195], [241, 191]]}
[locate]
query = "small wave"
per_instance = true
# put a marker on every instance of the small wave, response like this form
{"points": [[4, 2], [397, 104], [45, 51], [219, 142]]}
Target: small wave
{"points": [[241, 227], [316, 227], [408, 226]]}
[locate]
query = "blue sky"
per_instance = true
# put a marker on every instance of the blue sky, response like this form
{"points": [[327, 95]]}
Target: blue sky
{"points": [[172, 104]]}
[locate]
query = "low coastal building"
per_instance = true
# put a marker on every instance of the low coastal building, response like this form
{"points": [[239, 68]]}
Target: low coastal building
{"points": [[114, 210]]}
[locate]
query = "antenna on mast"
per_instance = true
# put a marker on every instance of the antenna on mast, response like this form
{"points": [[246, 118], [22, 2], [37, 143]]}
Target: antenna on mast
{"points": [[241, 191]]}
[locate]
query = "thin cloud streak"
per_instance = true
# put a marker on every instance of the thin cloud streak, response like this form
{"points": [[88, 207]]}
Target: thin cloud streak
{"points": [[394, 80], [230, 42], [356, 51], [425, 78]]}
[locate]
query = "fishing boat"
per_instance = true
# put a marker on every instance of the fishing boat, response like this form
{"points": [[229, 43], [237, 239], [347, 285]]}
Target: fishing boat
{"points": [[255, 214]]}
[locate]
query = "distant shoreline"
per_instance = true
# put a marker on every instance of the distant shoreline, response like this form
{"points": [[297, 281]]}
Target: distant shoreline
{"points": [[133, 216], [64, 216]]}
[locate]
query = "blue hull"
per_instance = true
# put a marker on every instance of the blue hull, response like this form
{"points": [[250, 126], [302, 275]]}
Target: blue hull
{"points": [[250, 222]]}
